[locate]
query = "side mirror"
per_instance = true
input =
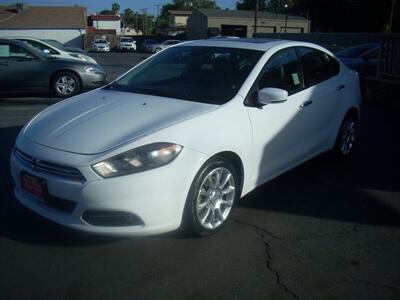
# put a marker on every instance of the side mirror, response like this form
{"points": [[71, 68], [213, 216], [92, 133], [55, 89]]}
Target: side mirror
{"points": [[272, 95], [47, 51]]}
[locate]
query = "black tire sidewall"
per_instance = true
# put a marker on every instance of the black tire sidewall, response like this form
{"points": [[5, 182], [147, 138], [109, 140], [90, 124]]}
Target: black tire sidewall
{"points": [[55, 79], [191, 224]]}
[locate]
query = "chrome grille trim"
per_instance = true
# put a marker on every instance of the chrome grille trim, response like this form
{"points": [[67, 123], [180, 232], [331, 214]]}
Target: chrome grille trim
{"points": [[48, 167]]}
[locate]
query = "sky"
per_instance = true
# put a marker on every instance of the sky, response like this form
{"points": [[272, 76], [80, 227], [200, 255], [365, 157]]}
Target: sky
{"points": [[98, 5]]}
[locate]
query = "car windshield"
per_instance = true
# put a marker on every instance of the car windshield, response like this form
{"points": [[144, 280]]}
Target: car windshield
{"points": [[356, 51], [150, 42], [202, 74], [55, 43], [126, 40], [100, 41]]}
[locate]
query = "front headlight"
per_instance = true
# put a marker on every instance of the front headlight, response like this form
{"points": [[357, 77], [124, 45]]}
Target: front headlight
{"points": [[91, 69], [77, 55], [138, 160]]}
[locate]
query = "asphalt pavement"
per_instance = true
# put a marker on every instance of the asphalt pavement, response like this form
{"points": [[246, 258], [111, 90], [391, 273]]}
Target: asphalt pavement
{"points": [[325, 230]]}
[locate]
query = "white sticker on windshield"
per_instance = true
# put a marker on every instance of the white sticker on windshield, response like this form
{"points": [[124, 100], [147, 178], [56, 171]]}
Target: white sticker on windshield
{"points": [[296, 80]]}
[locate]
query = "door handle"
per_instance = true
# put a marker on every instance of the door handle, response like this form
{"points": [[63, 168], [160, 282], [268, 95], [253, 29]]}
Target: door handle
{"points": [[340, 87], [304, 104]]}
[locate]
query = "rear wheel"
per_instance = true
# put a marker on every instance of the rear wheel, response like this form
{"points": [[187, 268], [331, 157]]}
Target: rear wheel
{"points": [[211, 198], [346, 137], [157, 50], [65, 84]]}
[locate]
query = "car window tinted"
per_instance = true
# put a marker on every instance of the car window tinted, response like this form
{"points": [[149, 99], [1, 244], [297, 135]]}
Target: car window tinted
{"points": [[282, 71], [202, 74], [15, 51], [317, 65]]}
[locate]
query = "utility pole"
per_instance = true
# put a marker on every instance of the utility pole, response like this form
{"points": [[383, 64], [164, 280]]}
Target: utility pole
{"points": [[158, 13], [391, 15], [144, 21], [286, 17], [255, 17]]}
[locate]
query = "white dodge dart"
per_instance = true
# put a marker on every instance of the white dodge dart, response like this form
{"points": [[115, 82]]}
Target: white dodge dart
{"points": [[174, 142]]}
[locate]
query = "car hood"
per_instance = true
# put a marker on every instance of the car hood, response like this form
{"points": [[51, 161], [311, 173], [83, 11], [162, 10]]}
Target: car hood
{"points": [[100, 44], [98, 121]]}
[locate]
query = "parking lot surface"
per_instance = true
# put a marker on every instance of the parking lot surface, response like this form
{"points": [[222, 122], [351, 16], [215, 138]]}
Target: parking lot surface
{"points": [[325, 230]]}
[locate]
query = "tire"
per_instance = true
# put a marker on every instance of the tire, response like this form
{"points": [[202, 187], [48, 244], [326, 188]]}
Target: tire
{"points": [[157, 50], [346, 137], [210, 201], [65, 84]]}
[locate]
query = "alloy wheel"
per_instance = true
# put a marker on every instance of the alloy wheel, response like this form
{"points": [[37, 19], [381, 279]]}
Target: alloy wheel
{"points": [[215, 198], [65, 85], [348, 137]]}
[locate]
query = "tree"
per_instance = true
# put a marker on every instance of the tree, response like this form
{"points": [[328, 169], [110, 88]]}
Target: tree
{"points": [[280, 6], [184, 5], [251, 4], [128, 17], [106, 12], [115, 8]]}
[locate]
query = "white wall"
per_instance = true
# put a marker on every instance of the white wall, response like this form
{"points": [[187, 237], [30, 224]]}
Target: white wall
{"points": [[108, 25], [73, 37]]}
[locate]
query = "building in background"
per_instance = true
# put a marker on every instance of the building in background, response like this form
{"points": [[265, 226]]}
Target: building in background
{"points": [[178, 18], [64, 24], [204, 23], [105, 22]]}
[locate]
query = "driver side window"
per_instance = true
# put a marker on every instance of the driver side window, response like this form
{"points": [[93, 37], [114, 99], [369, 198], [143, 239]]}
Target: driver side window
{"points": [[41, 47], [282, 71]]}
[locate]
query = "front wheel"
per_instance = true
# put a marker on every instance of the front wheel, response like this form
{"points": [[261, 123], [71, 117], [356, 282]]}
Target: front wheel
{"points": [[211, 198], [346, 137], [157, 50], [65, 84]]}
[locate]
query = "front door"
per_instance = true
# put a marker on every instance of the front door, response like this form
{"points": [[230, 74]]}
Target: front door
{"points": [[281, 131]]}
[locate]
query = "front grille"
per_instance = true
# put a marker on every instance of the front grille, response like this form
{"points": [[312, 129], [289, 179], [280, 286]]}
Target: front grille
{"points": [[111, 218], [48, 167]]}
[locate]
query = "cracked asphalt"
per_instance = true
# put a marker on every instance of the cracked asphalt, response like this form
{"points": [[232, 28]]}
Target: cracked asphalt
{"points": [[325, 230]]}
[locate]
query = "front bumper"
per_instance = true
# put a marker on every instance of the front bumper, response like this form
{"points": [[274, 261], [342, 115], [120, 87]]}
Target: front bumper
{"points": [[101, 49], [157, 197], [92, 80], [127, 47]]}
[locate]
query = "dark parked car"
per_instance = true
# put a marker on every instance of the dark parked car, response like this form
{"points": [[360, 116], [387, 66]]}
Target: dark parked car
{"points": [[362, 58], [146, 44], [64, 47], [24, 68]]}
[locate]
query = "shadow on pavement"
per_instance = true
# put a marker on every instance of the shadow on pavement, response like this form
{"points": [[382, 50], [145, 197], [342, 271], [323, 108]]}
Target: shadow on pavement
{"points": [[364, 189]]}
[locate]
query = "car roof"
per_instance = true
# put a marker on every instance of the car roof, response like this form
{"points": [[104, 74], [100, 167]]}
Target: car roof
{"points": [[260, 44]]}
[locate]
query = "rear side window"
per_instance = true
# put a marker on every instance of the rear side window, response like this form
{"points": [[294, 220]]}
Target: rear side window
{"points": [[282, 71], [317, 65], [14, 51]]}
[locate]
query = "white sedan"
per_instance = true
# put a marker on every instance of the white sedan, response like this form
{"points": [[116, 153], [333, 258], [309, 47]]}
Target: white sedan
{"points": [[175, 141]]}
